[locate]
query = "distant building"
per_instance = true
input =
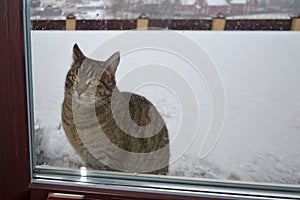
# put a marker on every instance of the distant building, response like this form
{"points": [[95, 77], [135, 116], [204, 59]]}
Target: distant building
{"points": [[188, 7], [215, 7], [35, 4], [53, 2], [49, 11], [169, 8], [279, 5], [238, 6], [252, 6], [242, 6]]}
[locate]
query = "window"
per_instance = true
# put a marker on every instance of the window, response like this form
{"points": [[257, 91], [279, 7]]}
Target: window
{"points": [[228, 100]]}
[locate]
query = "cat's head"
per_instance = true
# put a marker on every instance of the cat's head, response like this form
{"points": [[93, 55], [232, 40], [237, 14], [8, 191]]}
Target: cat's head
{"points": [[89, 79]]}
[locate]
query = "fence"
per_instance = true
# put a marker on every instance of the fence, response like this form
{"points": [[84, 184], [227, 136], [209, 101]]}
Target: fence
{"points": [[216, 24]]}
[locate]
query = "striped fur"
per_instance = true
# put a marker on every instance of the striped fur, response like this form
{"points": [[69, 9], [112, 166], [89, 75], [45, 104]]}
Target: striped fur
{"points": [[97, 121]]}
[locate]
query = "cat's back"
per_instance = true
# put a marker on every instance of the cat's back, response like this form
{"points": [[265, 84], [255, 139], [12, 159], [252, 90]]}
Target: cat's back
{"points": [[147, 132], [142, 112], [139, 108], [137, 117]]}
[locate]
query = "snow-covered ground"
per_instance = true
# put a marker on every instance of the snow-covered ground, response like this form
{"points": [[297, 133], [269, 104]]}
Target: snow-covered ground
{"points": [[260, 71], [279, 16]]}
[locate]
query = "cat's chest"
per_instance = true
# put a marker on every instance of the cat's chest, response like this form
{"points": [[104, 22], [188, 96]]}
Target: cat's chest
{"points": [[85, 117]]}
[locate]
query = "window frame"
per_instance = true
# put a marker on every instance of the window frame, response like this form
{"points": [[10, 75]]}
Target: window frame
{"points": [[14, 153], [16, 177]]}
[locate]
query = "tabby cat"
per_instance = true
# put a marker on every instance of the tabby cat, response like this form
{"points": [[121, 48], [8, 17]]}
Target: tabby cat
{"points": [[109, 129]]}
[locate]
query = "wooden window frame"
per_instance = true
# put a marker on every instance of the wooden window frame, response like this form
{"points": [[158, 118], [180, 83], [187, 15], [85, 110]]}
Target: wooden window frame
{"points": [[14, 147], [14, 142], [15, 169]]}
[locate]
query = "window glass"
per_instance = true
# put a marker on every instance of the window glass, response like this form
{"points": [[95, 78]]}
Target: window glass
{"points": [[162, 9], [135, 99]]}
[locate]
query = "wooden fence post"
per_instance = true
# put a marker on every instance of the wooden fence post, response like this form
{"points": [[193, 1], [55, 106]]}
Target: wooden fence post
{"points": [[71, 22], [295, 24], [218, 24], [142, 24]]}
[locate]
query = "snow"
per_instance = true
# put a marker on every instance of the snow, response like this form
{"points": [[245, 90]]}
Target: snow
{"points": [[260, 71], [216, 2], [96, 14], [91, 4], [188, 2], [238, 1], [151, 2], [280, 16]]}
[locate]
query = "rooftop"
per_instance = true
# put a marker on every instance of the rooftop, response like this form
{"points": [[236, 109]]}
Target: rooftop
{"points": [[216, 2], [238, 1]]}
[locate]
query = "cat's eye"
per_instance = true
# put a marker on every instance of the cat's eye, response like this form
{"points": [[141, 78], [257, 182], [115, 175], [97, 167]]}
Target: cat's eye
{"points": [[74, 78], [94, 82]]}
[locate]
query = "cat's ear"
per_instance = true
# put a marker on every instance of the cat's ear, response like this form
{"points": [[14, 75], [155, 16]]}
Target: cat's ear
{"points": [[112, 63], [77, 53]]}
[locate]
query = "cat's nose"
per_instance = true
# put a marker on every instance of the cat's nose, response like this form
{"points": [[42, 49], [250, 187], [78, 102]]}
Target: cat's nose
{"points": [[79, 91]]}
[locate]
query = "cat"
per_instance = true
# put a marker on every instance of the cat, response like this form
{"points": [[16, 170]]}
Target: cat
{"points": [[109, 129]]}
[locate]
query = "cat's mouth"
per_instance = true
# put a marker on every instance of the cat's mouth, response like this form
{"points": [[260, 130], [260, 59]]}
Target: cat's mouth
{"points": [[84, 100]]}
